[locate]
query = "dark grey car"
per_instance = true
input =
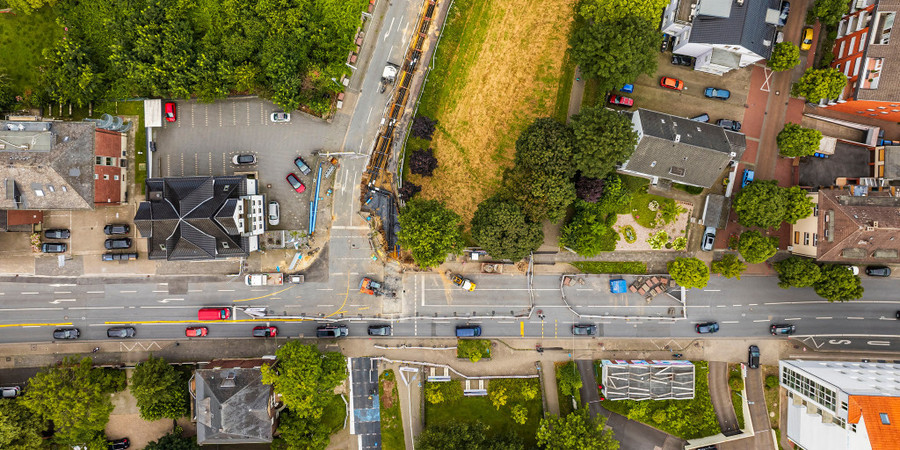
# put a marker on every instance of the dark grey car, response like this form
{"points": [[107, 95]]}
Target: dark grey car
{"points": [[584, 330], [54, 247], [121, 243], [332, 331], [120, 332], [379, 330], [116, 228], [66, 333], [57, 234]]}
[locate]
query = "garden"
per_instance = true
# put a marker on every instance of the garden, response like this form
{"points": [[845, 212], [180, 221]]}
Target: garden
{"points": [[651, 222], [391, 421]]}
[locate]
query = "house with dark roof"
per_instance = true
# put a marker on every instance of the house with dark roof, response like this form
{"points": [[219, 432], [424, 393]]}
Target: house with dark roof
{"points": [[197, 218], [232, 405], [681, 150], [722, 35]]}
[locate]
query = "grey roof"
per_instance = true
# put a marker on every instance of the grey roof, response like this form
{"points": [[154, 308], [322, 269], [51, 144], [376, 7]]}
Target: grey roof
{"points": [[745, 26], [682, 150], [892, 162], [192, 218], [232, 406]]}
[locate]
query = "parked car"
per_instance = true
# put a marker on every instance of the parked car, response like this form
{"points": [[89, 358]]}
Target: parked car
{"points": [[807, 39], [265, 331], [721, 94], [57, 234], [785, 10], [878, 271], [584, 330], [274, 213], [54, 247], [709, 239], [242, 160], [118, 444], [295, 183], [782, 328], [10, 391], [196, 331], [280, 116], [620, 100], [379, 330], [682, 60], [117, 244], [753, 357], [170, 112], [332, 331], [304, 169], [119, 257], [120, 332], [627, 88], [707, 327], [701, 118], [116, 228], [666, 42], [853, 269], [748, 178], [66, 333], [732, 125], [671, 83]]}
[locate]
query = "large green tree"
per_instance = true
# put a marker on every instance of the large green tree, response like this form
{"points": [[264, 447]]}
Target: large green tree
{"points": [[837, 284], [797, 272], [174, 441], [160, 390], [794, 140], [616, 52], [831, 11], [542, 196], [20, 428], [568, 379], [612, 10], [603, 138], [756, 248], [300, 433], [818, 84], [576, 431], [546, 146], [305, 377], [689, 272], [588, 234], [729, 266], [429, 231], [70, 75], [785, 56], [798, 205], [760, 204], [456, 435], [502, 229]]}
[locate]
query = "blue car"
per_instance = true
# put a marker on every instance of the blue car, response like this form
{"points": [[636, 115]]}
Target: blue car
{"points": [[748, 178], [721, 94]]}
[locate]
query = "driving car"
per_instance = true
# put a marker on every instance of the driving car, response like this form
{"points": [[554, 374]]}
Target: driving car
{"points": [[54, 247], [584, 330], [732, 125], [878, 271], [265, 331], [753, 357], [620, 100], [242, 160], [332, 331], [304, 169], [806, 39], [196, 331], [120, 243], [785, 10], [120, 332], [671, 83], [721, 94], [709, 239], [782, 328], [57, 234], [379, 330], [295, 183], [10, 391], [701, 118], [116, 228], [682, 60], [170, 112], [280, 116], [66, 333], [707, 327], [274, 213], [118, 444]]}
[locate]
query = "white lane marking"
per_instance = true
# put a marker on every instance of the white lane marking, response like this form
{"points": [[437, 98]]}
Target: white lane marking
{"points": [[29, 293], [160, 291], [127, 292], [794, 318], [96, 292], [96, 307], [712, 290], [736, 306], [389, 29], [325, 289], [226, 290], [56, 302], [761, 320], [195, 290], [878, 343], [824, 318], [31, 309], [751, 304], [731, 321], [63, 292], [324, 306], [721, 306], [856, 318]]}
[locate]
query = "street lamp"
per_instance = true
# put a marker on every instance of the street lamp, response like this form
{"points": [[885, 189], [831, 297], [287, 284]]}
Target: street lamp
{"points": [[745, 398]]}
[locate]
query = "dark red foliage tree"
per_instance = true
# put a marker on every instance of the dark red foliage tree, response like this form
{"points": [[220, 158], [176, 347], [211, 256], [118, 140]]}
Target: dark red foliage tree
{"points": [[408, 190], [423, 127], [422, 162], [589, 189]]}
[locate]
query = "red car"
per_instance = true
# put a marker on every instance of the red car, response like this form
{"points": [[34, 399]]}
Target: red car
{"points": [[196, 331], [671, 83], [170, 112], [265, 331], [620, 100], [295, 183]]}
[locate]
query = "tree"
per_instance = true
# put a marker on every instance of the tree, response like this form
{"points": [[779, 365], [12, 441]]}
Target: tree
{"points": [[70, 74], [300, 433], [174, 441], [830, 12], [756, 248], [160, 391], [305, 377], [798, 204], [588, 233], [797, 272], [408, 190], [610, 10], [818, 84], [838, 284], [615, 194], [498, 397], [577, 431], [589, 189], [541, 196], [29, 6], [7, 95], [422, 162], [546, 146], [568, 379], [468, 435], [519, 414], [429, 231], [616, 52], [785, 56], [501, 229], [423, 127], [729, 266], [603, 138], [794, 140], [433, 393], [760, 204], [689, 272], [20, 429]]}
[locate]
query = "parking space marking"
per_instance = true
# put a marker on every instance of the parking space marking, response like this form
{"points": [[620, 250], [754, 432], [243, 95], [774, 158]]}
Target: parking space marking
{"points": [[234, 114], [192, 117], [220, 114], [248, 114], [196, 164], [182, 164], [206, 115]]}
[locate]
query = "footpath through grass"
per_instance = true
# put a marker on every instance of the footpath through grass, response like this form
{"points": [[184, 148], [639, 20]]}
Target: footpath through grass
{"points": [[391, 420]]}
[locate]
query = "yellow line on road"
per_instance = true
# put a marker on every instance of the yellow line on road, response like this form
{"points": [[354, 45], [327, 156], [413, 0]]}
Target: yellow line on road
{"points": [[203, 322], [263, 296], [35, 325], [522, 328], [340, 309], [363, 308]]}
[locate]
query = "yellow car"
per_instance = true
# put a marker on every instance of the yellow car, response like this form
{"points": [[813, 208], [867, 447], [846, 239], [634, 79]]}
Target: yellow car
{"points": [[806, 44]]}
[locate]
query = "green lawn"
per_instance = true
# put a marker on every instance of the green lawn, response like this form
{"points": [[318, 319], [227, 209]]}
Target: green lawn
{"points": [[23, 37], [637, 268], [391, 420], [592, 94], [474, 349], [641, 212], [335, 412], [738, 408]]}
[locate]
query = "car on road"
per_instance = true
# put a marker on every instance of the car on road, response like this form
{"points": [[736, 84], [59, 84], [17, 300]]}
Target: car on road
{"points": [[878, 271], [196, 331], [117, 244], [379, 330], [118, 444], [332, 331], [213, 313], [748, 178], [807, 39], [468, 331], [782, 328], [10, 391], [243, 160], [721, 94], [54, 247], [584, 330], [753, 357], [301, 165], [116, 228], [732, 125], [170, 112], [57, 234], [66, 333], [682, 60], [120, 332], [707, 327], [620, 100], [295, 183], [701, 118], [785, 10], [671, 83], [709, 239], [265, 331], [280, 117], [274, 213]]}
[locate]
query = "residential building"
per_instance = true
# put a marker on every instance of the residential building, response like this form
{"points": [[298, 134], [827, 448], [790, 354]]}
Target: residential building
{"points": [[866, 54], [722, 35], [109, 167], [842, 405], [647, 380], [197, 218], [681, 150], [231, 403]]}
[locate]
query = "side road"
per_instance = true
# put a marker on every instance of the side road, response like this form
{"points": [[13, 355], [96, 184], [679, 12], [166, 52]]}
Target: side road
{"points": [[720, 395]]}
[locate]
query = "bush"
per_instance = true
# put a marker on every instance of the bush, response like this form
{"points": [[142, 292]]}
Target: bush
{"points": [[473, 349], [658, 240], [422, 162], [498, 397], [568, 378], [519, 414], [423, 127], [629, 234], [433, 393], [771, 382], [616, 267], [409, 190], [735, 382]]}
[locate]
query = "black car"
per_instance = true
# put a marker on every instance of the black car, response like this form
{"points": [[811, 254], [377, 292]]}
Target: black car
{"points": [[707, 327], [121, 243], [878, 271], [332, 331], [120, 332], [682, 60], [732, 125], [57, 234], [118, 444], [116, 228], [298, 161], [54, 247], [584, 330], [66, 333], [782, 328], [379, 330], [785, 10], [753, 357]]}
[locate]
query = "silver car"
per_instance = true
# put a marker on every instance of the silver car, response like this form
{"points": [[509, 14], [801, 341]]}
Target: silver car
{"points": [[274, 213], [280, 117], [709, 238]]}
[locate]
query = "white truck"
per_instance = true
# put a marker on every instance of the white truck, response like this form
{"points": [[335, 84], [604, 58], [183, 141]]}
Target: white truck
{"points": [[264, 279]]}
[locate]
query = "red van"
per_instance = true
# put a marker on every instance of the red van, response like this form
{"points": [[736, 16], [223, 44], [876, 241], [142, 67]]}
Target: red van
{"points": [[214, 314]]}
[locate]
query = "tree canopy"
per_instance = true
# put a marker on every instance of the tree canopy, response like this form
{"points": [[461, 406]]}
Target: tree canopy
{"points": [[794, 140], [429, 231], [173, 441], [541, 195], [797, 272], [568, 378], [603, 138], [838, 284], [785, 56], [456, 435], [756, 248], [689, 272], [729, 266], [29, 6], [616, 52], [818, 84], [588, 233], [422, 162], [546, 145], [612, 10], [501, 228], [764, 204], [589, 189], [576, 431], [160, 390], [798, 204], [20, 429], [831, 11], [303, 374]]}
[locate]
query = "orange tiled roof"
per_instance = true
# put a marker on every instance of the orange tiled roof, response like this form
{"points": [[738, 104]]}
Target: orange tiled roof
{"points": [[881, 436]]}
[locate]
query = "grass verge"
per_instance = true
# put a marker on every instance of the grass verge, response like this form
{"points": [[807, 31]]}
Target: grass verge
{"points": [[693, 190], [473, 349], [391, 419], [623, 267], [335, 412], [772, 394], [736, 401]]}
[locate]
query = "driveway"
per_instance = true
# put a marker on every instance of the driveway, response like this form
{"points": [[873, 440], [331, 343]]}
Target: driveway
{"points": [[720, 394]]}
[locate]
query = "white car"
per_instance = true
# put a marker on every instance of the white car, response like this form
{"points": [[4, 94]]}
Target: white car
{"points": [[709, 239], [274, 213], [281, 117]]}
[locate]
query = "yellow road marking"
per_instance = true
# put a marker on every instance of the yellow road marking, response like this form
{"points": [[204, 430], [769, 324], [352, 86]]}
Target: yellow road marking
{"points": [[363, 308], [346, 297], [555, 327], [522, 328], [35, 325], [263, 296], [204, 322]]}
